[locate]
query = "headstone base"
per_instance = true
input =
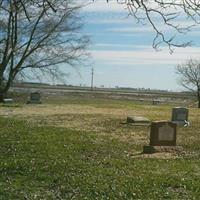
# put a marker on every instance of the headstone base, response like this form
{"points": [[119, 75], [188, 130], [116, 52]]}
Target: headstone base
{"points": [[33, 102], [180, 123], [160, 149]]}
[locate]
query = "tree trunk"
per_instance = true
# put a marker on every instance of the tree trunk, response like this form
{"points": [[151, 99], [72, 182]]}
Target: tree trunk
{"points": [[4, 87], [2, 96], [1, 88], [198, 96]]}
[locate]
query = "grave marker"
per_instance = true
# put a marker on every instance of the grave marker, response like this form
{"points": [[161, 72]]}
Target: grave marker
{"points": [[162, 137], [137, 119], [35, 97], [8, 101], [163, 133], [180, 115], [155, 102]]}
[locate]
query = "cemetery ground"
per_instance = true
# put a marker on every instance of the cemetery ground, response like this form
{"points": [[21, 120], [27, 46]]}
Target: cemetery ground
{"points": [[79, 148]]}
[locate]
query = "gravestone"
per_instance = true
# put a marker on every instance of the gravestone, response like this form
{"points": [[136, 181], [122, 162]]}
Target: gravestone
{"points": [[162, 137], [35, 97], [163, 133], [180, 115], [155, 102]]}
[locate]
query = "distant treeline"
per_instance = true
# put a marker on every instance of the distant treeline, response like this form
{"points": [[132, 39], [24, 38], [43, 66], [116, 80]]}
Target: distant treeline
{"points": [[65, 86]]}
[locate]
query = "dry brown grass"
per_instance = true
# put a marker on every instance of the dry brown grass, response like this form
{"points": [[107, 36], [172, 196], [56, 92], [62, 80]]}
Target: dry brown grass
{"points": [[82, 117]]}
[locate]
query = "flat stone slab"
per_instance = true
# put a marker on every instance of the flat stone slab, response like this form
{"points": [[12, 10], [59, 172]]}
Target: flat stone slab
{"points": [[160, 149], [137, 120], [8, 101]]}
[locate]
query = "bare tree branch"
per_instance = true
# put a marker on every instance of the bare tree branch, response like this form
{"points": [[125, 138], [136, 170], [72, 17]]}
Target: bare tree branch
{"points": [[38, 36], [168, 13], [189, 73]]}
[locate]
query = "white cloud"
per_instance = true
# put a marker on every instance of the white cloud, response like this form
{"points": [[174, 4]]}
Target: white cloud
{"points": [[103, 6], [132, 29], [146, 56], [111, 45], [135, 28], [113, 20]]}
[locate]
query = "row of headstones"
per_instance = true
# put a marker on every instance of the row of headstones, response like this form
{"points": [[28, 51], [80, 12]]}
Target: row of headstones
{"points": [[163, 133], [35, 97]]}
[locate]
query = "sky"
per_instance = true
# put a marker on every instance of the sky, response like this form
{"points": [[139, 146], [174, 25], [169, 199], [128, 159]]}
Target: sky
{"points": [[122, 54]]}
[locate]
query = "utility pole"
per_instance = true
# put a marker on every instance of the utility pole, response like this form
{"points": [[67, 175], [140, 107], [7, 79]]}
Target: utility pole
{"points": [[92, 78]]}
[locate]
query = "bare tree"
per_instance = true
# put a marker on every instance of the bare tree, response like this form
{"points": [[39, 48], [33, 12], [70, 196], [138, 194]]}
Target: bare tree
{"points": [[168, 18], [190, 76], [36, 37]]}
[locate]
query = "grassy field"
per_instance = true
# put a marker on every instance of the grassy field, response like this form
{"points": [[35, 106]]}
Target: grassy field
{"points": [[80, 149]]}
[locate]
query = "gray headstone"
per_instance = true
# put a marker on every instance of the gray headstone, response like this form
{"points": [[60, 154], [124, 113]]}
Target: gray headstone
{"points": [[180, 115], [155, 102], [35, 97]]}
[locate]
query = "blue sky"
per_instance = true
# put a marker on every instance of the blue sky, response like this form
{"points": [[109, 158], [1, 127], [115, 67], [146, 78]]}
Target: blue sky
{"points": [[122, 54]]}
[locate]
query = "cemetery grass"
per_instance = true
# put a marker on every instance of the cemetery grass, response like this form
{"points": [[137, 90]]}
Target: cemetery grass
{"points": [[84, 151]]}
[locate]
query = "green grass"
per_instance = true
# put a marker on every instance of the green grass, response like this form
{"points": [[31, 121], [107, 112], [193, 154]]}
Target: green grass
{"points": [[58, 163], [11, 105]]}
